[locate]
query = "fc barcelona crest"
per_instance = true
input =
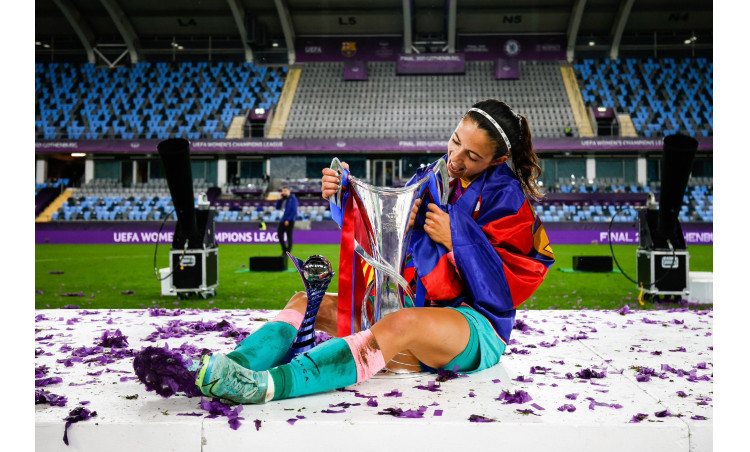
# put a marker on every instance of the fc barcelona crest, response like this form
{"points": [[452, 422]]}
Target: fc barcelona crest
{"points": [[349, 49]]}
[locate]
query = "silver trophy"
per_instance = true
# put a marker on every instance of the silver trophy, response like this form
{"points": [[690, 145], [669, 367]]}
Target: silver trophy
{"points": [[385, 213]]}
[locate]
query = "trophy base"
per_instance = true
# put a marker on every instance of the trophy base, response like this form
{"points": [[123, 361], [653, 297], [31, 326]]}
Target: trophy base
{"points": [[403, 365]]}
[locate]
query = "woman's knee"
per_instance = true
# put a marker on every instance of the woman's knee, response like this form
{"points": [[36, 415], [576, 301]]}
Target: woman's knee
{"points": [[402, 322]]}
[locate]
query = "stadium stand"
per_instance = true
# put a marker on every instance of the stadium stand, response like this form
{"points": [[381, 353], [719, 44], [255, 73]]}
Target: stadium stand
{"points": [[662, 97], [199, 100], [149, 100], [326, 106], [107, 200]]}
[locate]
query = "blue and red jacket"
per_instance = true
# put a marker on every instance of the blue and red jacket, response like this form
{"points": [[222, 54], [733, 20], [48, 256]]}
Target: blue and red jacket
{"points": [[500, 256]]}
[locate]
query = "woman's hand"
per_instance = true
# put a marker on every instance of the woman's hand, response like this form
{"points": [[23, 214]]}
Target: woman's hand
{"points": [[329, 183], [438, 226]]}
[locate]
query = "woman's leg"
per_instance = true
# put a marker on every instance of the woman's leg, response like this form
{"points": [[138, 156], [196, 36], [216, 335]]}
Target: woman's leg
{"points": [[434, 335], [268, 345]]}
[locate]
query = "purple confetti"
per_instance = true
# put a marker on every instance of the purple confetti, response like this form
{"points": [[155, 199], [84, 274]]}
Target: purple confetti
{"points": [[438, 413], [445, 374], [480, 418], [114, 339], [519, 396], [589, 374], [567, 407], [42, 396], [165, 372], [77, 414], [698, 417], [431, 386], [41, 371], [537, 407], [394, 393], [47, 381], [539, 370], [664, 413], [638, 418], [398, 412]]}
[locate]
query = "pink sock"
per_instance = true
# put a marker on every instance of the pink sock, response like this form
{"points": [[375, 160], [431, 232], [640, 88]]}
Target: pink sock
{"points": [[367, 355], [291, 317]]}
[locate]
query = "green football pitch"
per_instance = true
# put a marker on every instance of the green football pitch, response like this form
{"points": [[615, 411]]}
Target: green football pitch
{"points": [[123, 277]]}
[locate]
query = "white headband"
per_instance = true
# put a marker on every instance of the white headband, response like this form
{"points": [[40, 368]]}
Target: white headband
{"points": [[494, 123]]}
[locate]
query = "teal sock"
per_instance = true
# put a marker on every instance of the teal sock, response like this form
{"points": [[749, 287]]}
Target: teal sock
{"points": [[328, 366], [265, 348]]}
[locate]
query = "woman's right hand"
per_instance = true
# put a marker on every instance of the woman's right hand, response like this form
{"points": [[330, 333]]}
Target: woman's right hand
{"points": [[329, 183]]}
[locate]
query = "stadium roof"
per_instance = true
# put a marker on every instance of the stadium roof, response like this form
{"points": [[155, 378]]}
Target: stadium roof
{"points": [[264, 31]]}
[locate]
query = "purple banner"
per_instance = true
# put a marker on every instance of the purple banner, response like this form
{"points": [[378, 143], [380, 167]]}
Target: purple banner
{"points": [[431, 63], [247, 233], [506, 69], [521, 47], [355, 70], [475, 47], [341, 48], [352, 145], [150, 235]]}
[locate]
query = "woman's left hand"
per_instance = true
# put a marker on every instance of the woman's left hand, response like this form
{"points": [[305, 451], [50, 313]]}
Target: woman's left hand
{"points": [[437, 225]]}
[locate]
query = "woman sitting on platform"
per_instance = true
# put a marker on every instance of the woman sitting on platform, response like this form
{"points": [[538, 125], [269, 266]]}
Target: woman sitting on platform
{"points": [[496, 254]]}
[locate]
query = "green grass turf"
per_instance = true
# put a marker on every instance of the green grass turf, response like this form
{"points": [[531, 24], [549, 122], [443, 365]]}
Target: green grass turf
{"points": [[122, 277]]}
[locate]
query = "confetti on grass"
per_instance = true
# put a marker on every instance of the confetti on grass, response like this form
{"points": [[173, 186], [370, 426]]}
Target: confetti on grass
{"points": [[76, 415]]}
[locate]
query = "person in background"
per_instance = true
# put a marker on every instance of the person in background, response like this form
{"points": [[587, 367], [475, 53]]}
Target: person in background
{"points": [[288, 204]]}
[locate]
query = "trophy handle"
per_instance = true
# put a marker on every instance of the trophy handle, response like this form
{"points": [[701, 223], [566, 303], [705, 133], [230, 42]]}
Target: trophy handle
{"points": [[387, 269], [441, 169]]}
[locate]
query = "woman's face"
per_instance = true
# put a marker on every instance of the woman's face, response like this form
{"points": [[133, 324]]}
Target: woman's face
{"points": [[470, 151]]}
